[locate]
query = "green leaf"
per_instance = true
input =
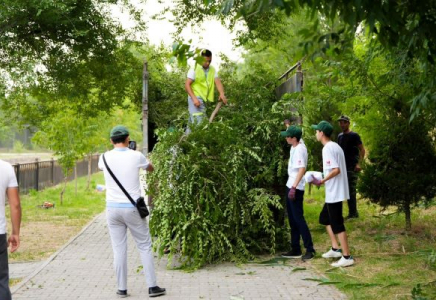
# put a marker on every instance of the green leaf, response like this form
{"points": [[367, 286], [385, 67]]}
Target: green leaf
{"points": [[298, 269]]}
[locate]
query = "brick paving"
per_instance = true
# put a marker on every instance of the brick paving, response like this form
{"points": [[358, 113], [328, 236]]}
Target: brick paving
{"points": [[22, 270], [83, 270]]}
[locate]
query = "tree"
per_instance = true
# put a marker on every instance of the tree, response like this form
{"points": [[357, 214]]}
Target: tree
{"points": [[167, 96], [72, 136], [400, 164], [6, 133], [65, 135], [394, 25], [374, 87], [325, 89], [399, 168], [71, 51]]}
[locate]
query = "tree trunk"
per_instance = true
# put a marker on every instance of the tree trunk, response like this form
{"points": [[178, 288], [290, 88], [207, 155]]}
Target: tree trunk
{"points": [[89, 170], [63, 190], [408, 217], [75, 177]]}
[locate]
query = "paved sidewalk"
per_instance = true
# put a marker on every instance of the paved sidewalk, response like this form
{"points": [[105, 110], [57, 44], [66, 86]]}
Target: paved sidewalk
{"points": [[83, 270], [22, 270]]}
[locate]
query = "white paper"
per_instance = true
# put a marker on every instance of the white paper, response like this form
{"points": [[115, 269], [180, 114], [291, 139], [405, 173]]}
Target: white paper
{"points": [[308, 176]]}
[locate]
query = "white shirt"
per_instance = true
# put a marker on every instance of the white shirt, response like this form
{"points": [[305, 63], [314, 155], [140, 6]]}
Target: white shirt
{"points": [[191, 73], [8, 179], [297, 160], [125, 164], [336, 188]]}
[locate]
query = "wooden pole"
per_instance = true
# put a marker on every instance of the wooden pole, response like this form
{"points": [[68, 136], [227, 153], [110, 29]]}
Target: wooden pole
{"points": [[36, 174], [215, 111], [145, 77]]}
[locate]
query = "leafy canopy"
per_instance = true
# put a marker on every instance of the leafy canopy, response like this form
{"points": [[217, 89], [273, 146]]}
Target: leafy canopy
{"points": [[69, 49], [393, 25]]}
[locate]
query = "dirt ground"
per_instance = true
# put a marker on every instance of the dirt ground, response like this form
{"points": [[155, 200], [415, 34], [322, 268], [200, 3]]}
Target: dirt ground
{"points": [[39, 240]]}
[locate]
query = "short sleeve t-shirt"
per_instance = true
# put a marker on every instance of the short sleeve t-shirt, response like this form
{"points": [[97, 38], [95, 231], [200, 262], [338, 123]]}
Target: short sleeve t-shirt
{"points": [[125, 164], [350, 143], [8, 179], [191, 73], [336, 189], [297, 160]]}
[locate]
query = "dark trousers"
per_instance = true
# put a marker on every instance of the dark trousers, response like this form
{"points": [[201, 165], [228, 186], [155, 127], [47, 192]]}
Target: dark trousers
{"points": [[298, 223], [5, 293], [352, 203]]}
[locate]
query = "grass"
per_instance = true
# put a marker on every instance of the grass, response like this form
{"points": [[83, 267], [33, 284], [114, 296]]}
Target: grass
{"points": [[390, 262], [14, 281], [44, 231]]}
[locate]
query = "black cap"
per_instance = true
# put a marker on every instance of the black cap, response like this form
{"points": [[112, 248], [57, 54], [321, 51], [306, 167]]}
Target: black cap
{"points": [[344, 118]]}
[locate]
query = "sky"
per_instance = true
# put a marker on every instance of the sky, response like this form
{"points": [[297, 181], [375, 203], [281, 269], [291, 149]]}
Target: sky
{"points": [[217, 38]]}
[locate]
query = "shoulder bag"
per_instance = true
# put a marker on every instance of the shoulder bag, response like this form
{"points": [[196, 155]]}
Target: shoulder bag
{"points": [[139, 204]]}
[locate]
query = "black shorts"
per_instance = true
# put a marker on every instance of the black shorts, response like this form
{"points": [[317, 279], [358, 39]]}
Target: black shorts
{"points": [[331, 214]]}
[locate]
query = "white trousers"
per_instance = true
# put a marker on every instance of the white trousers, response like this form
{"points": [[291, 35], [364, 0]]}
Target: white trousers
{"points": [[118, 220]]}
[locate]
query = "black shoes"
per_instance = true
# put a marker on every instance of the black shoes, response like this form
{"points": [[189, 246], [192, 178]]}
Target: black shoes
{"points": [[308, 256], [353, 216], [156, 291], [292, 254], [152, 292], [122, 294], [297, 254]]}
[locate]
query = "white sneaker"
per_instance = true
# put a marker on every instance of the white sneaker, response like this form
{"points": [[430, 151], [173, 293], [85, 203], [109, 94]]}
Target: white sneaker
{"points": [[343, 262], [332, 254]]}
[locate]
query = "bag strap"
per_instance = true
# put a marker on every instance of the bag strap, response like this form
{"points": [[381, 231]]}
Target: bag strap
{"points": [[119, 184]]}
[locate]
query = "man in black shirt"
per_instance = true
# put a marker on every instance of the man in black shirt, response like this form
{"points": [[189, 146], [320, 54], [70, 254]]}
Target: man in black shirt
{"points": [[354, 151]]}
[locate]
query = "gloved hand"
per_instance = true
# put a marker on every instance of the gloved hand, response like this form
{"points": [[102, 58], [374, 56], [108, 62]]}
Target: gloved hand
{"points": [[315, 181], [291, 194]]}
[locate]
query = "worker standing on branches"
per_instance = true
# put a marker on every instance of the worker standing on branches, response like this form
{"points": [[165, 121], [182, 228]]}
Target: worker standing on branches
{"points": [[200, 84]]}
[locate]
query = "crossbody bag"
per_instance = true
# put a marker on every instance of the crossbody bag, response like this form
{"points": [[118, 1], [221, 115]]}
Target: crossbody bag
{"points": [[139, 204]]}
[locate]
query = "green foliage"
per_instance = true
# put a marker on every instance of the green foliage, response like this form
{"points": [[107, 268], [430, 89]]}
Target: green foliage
{"points": [[431, 260], [18, 147], [167, 96], [182, 52], [216, 190], [6, 132], [373, 87], [71, 136], [85, 89], [333, 27], [403, 25], [417, 293], [399, 170], [325, 91], [66, 135], [71, 50]]}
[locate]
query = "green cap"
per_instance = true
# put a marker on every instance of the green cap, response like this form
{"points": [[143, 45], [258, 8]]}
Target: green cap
{"points": [[119, 130], [325, 127], [292, 131]]}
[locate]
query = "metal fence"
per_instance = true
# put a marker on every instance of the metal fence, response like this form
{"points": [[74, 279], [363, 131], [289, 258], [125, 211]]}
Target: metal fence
{"points": [[41, 174]]}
